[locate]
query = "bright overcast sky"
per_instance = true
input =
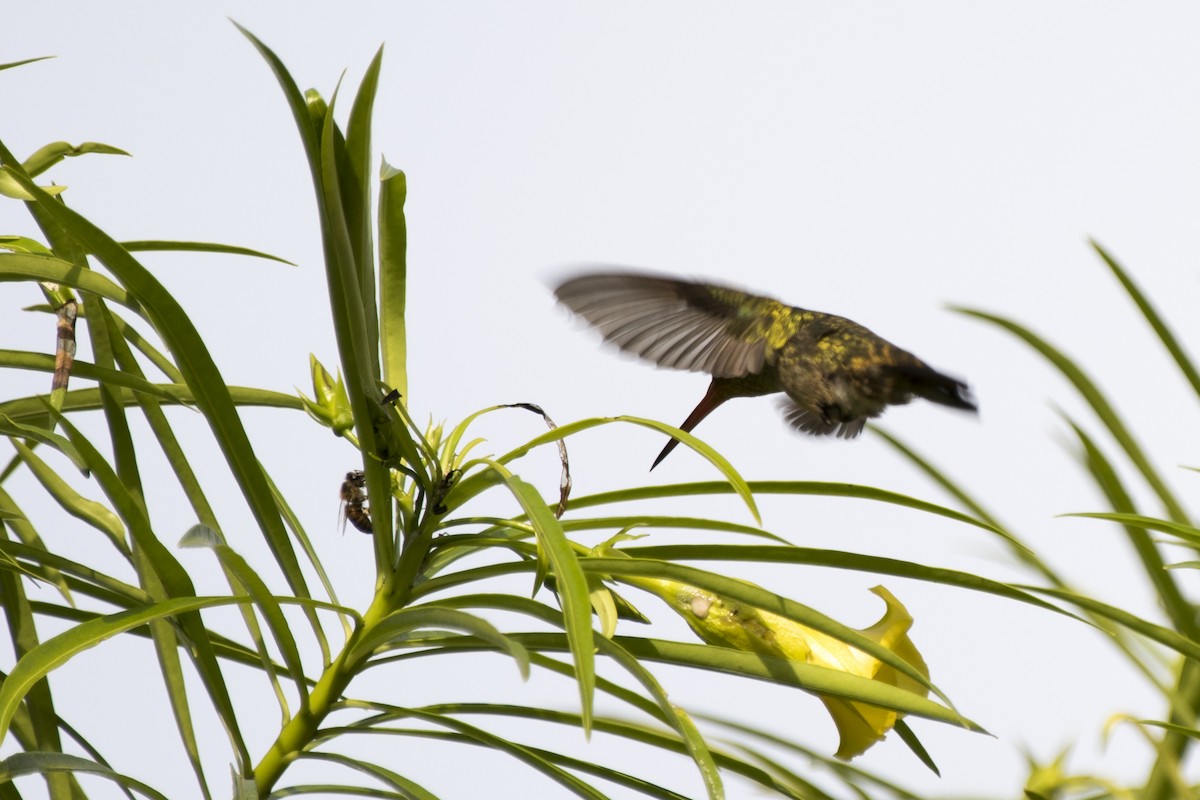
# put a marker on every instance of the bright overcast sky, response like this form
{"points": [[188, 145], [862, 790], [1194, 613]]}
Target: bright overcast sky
{"points": [[877, 160]]}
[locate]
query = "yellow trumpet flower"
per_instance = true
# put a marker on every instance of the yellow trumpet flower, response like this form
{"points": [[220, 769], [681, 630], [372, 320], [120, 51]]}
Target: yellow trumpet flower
{"points": [[728, 623]]}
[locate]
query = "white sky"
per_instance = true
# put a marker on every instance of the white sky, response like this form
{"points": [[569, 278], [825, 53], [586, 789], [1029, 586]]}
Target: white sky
{"points": [[875, 161]]}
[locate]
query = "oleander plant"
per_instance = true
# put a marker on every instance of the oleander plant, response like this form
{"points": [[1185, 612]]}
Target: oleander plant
{"points": [[591, 586]]}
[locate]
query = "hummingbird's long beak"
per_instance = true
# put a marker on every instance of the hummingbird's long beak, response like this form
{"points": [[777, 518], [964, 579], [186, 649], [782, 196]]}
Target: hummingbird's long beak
{"points": [[712, 398]]}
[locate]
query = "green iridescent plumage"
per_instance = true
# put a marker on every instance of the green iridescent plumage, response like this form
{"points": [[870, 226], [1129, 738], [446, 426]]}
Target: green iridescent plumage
{"points": [[836, 373]]}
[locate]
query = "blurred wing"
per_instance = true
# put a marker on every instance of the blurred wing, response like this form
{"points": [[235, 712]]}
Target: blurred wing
{"points": [[680, 324]]}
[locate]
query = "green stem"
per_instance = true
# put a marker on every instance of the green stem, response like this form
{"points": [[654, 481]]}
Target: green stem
{"points": [[393, 593], [412, 557], [298, 733]]}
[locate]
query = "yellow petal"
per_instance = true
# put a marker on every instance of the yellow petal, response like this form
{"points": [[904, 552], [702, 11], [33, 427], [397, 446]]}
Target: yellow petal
{"points": [[727, 623], [859, 725]]}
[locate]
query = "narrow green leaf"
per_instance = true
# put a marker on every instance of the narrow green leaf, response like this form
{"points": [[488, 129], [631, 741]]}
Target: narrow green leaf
{"points": [[401, 786], [110, 335], [410, 790], [1183, 730], [398, 624], [848, 773], [295, 100], [326, 790], [698, 749], [670, 522], [301, 536], [20, 764], [914, 744], [572, 584], [23, 62], [1188, 533], [23, 244], [356, 188], [838, 559], [473, 575], [97, 515], [11, 187], [393, 278], [941, 479], [226, 649], [152, 354], [817, 488], [41, 362], [473, 485], [1094, 398], [165, 245], [272, 612], [55, 652], [31, 266], [1164, 636], [1178, 608], [802, 787], [16, 430], [1165, 335], [639, 785], [117, 592], [42, 719], [518, 751], [47, 156], [168, 644], [716, 459], [30, 409]]}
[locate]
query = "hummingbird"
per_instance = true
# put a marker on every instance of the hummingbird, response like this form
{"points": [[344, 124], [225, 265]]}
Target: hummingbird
{"points": [[835, 374]]}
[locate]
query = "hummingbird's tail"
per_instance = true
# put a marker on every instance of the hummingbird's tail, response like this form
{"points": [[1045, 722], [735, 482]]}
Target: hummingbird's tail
{"points": [[932, 385], [715, 395]]}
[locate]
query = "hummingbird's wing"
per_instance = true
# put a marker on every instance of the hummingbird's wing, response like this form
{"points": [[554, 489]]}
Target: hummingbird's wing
{"points": [[682, 324]]}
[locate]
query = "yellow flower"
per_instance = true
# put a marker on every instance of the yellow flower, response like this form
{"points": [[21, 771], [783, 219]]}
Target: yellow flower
{"points": [[728, 623]]}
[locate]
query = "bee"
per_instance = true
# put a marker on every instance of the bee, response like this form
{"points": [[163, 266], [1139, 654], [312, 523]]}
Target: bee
{"points": [[354, 501]]}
